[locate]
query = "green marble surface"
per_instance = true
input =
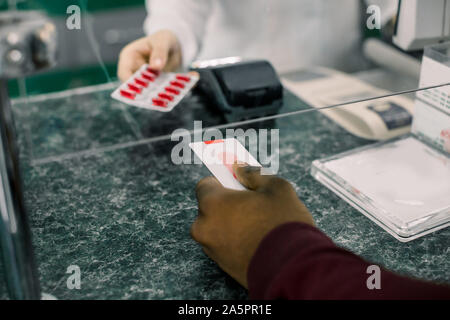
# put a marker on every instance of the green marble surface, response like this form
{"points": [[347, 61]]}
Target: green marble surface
{"points": [[103, 194]]}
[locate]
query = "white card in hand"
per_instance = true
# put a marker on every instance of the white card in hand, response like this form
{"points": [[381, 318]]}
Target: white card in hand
{"points": [[219, 157]]}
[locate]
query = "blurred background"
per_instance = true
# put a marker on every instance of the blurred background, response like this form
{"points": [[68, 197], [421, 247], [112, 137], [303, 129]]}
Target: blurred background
{"points": [[88, 56], [108, 26]]}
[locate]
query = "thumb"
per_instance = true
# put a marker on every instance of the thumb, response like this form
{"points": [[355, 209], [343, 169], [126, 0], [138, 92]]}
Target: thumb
{"points": [[250, 176]]}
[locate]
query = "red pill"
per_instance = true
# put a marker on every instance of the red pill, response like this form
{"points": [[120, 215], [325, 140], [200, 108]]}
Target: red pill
{"points": [[177, 84], [141, 82], [165, 96], [154, 72], [183, 77], [134, 88], [127, 94], [148, 76], [159, 102], [172, 90]]}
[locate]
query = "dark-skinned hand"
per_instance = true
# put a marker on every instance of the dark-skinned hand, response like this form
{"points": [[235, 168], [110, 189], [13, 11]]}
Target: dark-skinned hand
{"points": [[231, 224]]}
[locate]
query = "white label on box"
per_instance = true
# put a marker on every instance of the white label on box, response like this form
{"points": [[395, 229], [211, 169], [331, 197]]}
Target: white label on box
{"points": [[434, 73], [432, 125]]}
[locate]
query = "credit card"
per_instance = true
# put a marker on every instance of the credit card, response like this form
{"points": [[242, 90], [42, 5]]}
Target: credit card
{"points": [[219, 157]]}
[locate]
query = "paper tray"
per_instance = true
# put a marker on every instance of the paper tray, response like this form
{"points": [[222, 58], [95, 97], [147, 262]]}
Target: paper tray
{"points": [[403, 185]]}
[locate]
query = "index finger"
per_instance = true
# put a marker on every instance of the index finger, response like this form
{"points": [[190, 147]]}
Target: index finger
{"points": [[129, 63], [207, 186], [132, 57]]}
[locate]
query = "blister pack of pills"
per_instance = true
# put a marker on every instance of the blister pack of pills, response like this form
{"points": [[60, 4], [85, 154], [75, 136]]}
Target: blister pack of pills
{"points": [[155, 90]]}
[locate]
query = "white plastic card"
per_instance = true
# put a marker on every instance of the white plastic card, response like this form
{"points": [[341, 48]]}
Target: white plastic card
{"points": [[219, 157], [154, 90]]}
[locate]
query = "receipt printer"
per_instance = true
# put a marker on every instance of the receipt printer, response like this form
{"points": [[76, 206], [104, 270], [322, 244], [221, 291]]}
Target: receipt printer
{"points": [[242, 90]]}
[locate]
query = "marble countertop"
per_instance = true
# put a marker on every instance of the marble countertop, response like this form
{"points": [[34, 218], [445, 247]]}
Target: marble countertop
{"points": [[103, 194]]}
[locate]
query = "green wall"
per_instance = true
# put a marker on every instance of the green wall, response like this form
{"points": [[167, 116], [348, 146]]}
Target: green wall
{"points": [[58, 80], [59, 7]]}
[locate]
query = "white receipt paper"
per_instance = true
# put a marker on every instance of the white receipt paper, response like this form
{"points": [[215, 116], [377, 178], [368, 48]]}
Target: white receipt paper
{"points": [[219, 157]]}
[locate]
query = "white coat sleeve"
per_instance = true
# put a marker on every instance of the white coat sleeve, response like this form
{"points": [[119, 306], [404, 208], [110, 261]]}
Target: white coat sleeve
{"points": [[185, 18]]}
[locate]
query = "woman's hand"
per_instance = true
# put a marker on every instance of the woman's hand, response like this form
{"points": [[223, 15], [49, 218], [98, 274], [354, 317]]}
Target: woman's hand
{"points": [[161, 50]]}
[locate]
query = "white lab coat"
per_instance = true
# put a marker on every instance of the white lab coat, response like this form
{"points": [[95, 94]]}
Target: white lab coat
{"points": [[289, 33]]}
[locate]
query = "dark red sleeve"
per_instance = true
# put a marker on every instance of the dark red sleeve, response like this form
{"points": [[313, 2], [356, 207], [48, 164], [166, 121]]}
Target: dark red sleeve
{"points": [[298, 261]]}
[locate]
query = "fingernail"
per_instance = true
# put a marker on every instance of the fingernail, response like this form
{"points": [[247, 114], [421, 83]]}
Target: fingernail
{"points": [[250, 169], [157, 63]]}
